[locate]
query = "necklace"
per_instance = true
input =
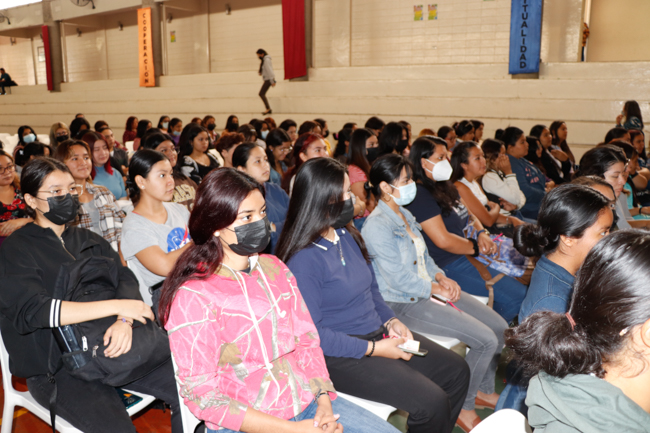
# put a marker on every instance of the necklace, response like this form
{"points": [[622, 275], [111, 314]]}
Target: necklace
{"points": [[340, 248]]}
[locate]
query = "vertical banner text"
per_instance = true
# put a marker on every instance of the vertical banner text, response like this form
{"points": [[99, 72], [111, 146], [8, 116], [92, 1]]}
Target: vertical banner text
{"points": [[525, 36], [145, 50]]}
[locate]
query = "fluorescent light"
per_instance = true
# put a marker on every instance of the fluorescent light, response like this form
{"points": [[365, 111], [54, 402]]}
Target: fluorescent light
{"points": [[6, 4]]}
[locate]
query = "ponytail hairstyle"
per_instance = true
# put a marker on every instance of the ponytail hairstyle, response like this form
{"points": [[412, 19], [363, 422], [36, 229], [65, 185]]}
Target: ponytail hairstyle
{"points": [[463, 127], [141, 164], [387, 168], [459, 156], [316, 203], [510, 136], [568, 210], [444, 193], [215, 207], [491, 149], [340, 151], [610, 297]]}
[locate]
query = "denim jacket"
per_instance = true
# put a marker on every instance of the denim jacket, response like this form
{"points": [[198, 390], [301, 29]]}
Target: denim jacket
{"points": [[551, 287], [394, 257]]}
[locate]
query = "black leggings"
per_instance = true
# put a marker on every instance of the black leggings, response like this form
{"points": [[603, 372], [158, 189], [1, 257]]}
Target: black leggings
{"points": [[96, 408], [263, 90], [430, 388]]}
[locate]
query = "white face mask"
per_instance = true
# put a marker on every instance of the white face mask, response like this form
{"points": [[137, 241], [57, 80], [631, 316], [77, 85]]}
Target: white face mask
{"points": [[441, 170]]}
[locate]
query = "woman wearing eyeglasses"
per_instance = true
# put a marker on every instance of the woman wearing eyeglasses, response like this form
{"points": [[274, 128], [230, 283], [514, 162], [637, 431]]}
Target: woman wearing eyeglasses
{"points": [[12, 205], [30, 262], [278, 147]]}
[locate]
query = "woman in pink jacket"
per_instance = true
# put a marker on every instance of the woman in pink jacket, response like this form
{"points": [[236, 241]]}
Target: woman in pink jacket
{"points": [[247, 350]]}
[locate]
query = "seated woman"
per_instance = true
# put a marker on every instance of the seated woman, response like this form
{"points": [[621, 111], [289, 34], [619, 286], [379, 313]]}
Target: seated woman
{"points": [[155, 234], [98, 211], [26, 135], [631, 192], [252, 160], [119, 156], [531, 180], [464, 130], [361, 141], [59, 132], [269, 376], [163, 123], [469, 164], [12, 204], [27, 153], [588, 364], [499, 183], [194, 160], [572, 219], [610, 163], [184, 187], [308, 146], [407, 278], [560, 132], [30, 262], [227, 144], [556, 163], [143, 126], [102, 172], [278, 146], [443, 217], [630, 117], [328, 257]]}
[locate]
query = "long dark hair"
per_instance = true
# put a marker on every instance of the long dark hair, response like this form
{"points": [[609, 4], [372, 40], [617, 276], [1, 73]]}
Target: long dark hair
{"points": [[152, 141], [568, 210], [460, 155], [90, 138], [491, 149], [510, 136], [316, 203], [242, 153], [610, 296], [264, 54], [215, 207], [632, 109], [141, 164], [275, 139], [615, 134], [444, 193], [160, 122], [231, 126], [129, 123], [190, 131], [536, 131], [556, 141], [390, 138], [357, 149], [598, 160]]}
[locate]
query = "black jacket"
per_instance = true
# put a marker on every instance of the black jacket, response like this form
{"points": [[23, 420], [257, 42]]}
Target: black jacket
{"points": [[30, 260]]}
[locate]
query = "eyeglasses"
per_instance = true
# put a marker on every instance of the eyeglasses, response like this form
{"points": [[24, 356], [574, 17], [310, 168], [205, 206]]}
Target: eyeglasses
{"points": [[74, 190], [7, 169], [287, 149]]}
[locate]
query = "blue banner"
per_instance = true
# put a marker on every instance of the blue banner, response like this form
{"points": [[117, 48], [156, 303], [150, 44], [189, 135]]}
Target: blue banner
{"points": [[525, 36]]}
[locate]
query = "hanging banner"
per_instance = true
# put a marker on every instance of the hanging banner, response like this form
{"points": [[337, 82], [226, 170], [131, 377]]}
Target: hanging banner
{"points": [[45, 31], [145, 50], [525, 36], [293, 34]]}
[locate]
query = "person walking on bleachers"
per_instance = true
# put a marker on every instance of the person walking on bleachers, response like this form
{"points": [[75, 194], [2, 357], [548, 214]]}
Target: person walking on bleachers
{"points": [[266, 71]]}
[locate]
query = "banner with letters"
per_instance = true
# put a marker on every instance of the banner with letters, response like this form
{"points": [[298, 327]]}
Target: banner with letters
{"points": [[525, 36], [145, 50]]}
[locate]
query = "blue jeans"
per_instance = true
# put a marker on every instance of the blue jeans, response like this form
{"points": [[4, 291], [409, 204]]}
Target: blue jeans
{"points": [[353, 418], [508, 292]]}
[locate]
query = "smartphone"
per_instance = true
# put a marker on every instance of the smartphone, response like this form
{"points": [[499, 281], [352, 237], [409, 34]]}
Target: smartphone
{"points": [[421, 352], [440, 298]]}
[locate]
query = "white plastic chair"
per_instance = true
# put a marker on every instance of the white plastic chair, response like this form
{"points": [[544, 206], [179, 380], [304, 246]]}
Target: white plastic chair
{"points": [[504, 421], [14, 398], [383, 411], [190, 422]]}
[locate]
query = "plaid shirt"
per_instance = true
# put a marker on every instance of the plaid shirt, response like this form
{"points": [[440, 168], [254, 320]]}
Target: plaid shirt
{"points": [[111, 216]]}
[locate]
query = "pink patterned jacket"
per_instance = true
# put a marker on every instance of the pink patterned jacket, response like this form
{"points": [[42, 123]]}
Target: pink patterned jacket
{"points": [[227, 361]]}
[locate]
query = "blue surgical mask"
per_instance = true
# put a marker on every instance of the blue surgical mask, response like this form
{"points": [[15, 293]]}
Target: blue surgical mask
{"points": [[406, 194], [165, 125], [29, 138], [176, 133], [264, 134]]}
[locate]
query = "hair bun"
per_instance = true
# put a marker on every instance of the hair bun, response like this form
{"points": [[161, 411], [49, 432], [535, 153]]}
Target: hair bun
{"points": [[530, 239]]}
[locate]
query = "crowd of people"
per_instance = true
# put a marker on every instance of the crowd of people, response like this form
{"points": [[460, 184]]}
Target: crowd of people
{"points": [[285, 267]]}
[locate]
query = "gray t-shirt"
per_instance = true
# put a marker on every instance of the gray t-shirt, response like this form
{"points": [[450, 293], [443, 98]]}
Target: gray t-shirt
{"points": [[93, 213], [138, 233]]}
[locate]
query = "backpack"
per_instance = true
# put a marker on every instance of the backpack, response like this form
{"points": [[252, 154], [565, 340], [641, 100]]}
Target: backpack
{"points": [[80, 347]]}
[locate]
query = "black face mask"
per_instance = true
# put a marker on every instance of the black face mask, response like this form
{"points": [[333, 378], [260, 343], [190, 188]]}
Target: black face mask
{"points": [[212, 126], [401, 145], [252, 238], [63, 209], [235, 126], [346, 214], [373, 153], [62, 138]]}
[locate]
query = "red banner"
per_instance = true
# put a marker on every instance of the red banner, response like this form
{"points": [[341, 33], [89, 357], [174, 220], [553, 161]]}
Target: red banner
{"points": [[293, 30], [48, 59], [145, 50]]}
